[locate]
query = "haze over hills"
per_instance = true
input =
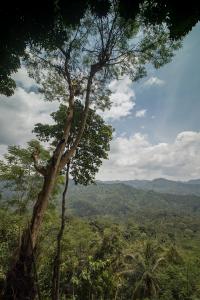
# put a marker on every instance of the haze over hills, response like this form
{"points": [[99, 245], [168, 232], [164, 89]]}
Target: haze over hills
{"points": [[162, 185], [131, 198], [123, 200]]}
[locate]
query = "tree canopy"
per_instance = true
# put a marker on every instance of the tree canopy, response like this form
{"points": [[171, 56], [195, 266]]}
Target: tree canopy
{"points": [[38, 23], [93, 147]]}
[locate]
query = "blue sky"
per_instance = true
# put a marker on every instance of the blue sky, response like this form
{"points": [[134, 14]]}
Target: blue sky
{"points": [[173, 103], [156, 120], [164, 140]]}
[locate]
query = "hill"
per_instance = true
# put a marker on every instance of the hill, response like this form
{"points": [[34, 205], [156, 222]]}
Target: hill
{"points": [[162, 185], [123, 200]]}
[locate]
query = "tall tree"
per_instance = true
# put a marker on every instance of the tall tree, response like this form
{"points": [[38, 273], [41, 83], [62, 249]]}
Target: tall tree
{"points": [[83, 166], [98, 50]]}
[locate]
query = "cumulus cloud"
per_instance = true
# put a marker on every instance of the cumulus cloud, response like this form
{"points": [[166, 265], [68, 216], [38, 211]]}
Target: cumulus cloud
{"points": [[140, 113], [122, 98], [136, 158], [18, 115], [22, 79], [152, 81]]}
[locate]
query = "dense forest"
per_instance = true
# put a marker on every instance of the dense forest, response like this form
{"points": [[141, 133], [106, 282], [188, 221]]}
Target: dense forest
{"points": [[119, 242], [64, 235]]}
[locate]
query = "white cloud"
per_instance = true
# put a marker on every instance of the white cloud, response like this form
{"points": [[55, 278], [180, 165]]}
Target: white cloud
{"points": [[18, 115], [153, 81], [3, 150], [122, 98], [22, 78], [140, 113], [136, 158]]}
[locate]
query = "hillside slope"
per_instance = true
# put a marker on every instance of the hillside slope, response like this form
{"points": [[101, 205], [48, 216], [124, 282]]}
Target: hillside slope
{"points": [[121, 200], [162, 185]]}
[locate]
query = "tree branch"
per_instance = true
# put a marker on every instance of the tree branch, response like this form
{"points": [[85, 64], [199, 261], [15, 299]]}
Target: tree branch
{"points": [[57, 258], [56, 67], [100, 29], [40, 169], [68, 154]]}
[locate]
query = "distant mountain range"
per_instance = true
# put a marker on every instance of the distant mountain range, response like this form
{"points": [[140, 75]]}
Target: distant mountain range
{"points": [[162, 185], [136, 198], [122, 199]]}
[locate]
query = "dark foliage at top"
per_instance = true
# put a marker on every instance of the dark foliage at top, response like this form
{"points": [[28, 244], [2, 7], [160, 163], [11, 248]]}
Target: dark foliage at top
{"points": [[38, 23]]}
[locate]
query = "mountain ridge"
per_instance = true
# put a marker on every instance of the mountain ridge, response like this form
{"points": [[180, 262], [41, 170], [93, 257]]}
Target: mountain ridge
{"points": [[122, 200], [162, 185]]}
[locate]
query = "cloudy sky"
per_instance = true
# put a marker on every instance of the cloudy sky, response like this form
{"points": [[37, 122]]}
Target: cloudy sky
{"points": [[156, 121]]}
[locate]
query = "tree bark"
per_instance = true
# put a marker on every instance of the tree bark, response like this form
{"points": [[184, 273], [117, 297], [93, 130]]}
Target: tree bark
{"points": [[57, 259], [20, 283]]}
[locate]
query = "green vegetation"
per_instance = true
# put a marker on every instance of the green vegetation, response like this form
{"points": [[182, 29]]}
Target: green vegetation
{"points": [[93, 147], [75, 66], [121, 200], [118, 243], [162, 185]]}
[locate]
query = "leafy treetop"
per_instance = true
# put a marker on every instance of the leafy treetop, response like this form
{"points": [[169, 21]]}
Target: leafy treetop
{"points": [[25, 26], [93, 147]]}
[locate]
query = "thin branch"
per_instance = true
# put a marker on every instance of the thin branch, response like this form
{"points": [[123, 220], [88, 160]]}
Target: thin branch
{"points": [[110, 33], [68, 154], [66, 69], [57, 259], [90, 51], [100, 29], [56, 67]]}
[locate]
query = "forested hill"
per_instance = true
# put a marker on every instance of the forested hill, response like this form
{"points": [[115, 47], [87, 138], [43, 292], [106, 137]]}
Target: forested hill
{"points": [[122, 200], [162, 185]]}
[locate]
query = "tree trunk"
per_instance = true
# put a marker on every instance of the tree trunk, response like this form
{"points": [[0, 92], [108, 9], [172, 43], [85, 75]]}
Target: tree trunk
{"points": [[20, 281], [57, 259]]}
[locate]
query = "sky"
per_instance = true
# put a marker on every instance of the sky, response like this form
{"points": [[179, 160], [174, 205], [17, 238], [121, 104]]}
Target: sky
{"points": [[156, 120]]}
